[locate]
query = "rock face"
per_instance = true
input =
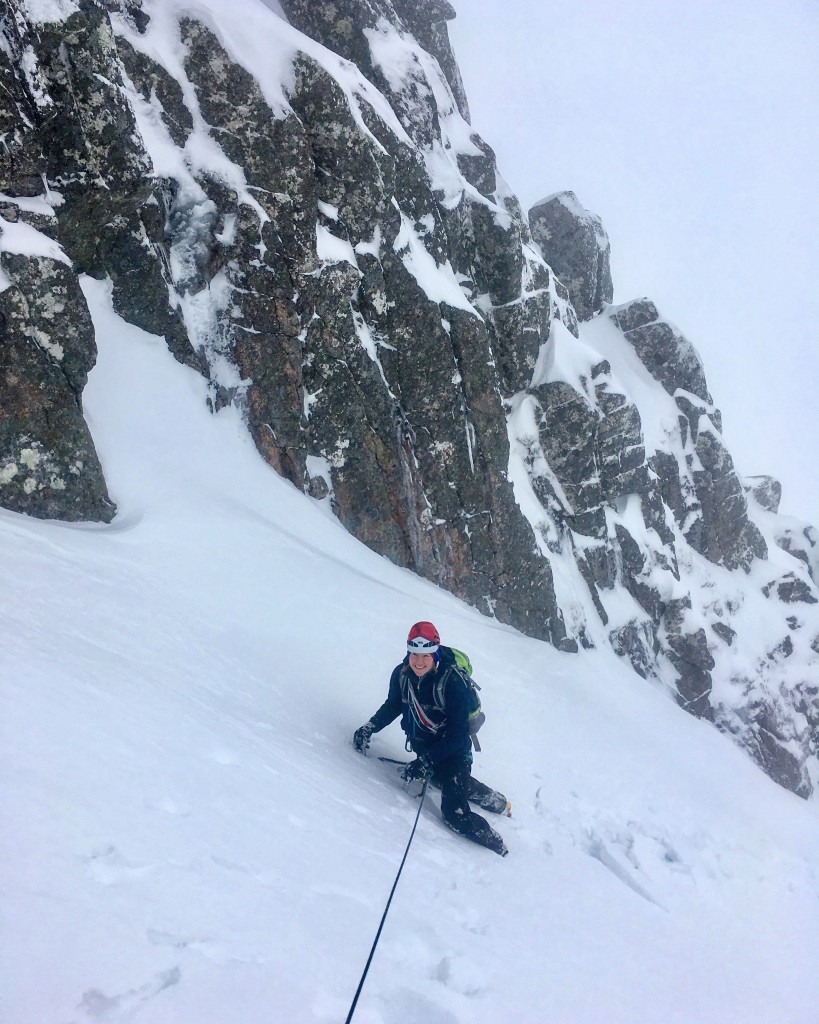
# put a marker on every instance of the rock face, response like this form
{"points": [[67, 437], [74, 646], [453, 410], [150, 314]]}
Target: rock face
{"points": [[575, 245], [766, 491], [669, 357], [332, 247], [703, 490], [48, 463]]}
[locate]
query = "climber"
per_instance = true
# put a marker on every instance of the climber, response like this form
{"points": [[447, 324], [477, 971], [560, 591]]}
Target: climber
{"points": [[430, 693]]}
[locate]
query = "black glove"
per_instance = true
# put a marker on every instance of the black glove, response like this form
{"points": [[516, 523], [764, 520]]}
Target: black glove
{"points": [[361, 737], [418, 769]]}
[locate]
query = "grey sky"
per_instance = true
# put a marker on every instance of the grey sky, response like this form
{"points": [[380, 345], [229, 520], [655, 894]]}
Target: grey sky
{"points": [[690, 127]]}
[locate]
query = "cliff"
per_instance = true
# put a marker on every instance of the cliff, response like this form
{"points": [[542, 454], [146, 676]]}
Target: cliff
{"points": [[308, 219]]}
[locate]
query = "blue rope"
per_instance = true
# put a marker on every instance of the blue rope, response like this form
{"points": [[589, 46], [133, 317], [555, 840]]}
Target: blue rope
{"points": [[386, 909]]}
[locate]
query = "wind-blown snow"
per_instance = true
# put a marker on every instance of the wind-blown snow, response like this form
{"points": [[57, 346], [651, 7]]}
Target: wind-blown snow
{"points": [[406, 66], [436, 280], [25, 240], [41, 12], [332, 249], [189, 836], [566, 358], [257, 37]]}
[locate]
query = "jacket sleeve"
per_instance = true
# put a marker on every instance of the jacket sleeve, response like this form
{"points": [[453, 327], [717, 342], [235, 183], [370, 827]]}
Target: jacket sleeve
{"points": [[456, 738], [392, 706]]}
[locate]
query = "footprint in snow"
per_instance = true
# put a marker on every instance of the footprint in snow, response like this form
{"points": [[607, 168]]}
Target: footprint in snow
{"points": [[409, 1007], [265, 878], [108, 867], [459, 974], [158, 938], [96, 1005], [216, 951], [597, 848]]}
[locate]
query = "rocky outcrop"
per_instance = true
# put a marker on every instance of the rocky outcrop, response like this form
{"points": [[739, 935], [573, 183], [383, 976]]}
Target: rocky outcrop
{"points": [[426, 20], [698, 481], [801, 541], [567, 429], [48, 464], [668, 356], [791, 589], [766, 491], [575, 245], [689, 653], [727, 537], [336, 252]]}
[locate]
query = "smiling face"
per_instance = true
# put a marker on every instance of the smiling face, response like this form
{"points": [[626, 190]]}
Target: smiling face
{"points": [[421, 663]]}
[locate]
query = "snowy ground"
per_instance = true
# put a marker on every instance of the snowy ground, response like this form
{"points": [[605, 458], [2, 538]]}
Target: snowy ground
{"points": [[189, 837]]}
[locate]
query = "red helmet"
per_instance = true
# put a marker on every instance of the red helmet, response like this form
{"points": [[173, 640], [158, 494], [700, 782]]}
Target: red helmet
{"points": [[423, 639]]}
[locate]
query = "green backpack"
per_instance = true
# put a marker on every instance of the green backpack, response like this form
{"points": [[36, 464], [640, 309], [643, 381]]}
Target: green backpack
{"points": [[461, 664]]}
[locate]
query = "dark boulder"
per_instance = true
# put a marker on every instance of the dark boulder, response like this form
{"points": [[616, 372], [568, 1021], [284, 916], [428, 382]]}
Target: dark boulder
{"points": [[689, 653], [635, 642], [576, 247], [791, 590], [668, 356], [728, 537], [724, 632], [427, 19], [567, 423], [801, 541], [48, 463], [765, 491]]}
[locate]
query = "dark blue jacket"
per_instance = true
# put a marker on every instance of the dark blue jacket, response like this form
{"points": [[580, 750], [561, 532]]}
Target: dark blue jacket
{"points": [[449, 736]]}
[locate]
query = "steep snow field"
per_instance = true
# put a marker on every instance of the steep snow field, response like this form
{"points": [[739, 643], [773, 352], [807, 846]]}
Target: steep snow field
{"points": [[189, 838]]}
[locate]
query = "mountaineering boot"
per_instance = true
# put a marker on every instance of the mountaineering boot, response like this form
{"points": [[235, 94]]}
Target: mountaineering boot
{"points": [[488, 799], [473, 826], [457, 787]]}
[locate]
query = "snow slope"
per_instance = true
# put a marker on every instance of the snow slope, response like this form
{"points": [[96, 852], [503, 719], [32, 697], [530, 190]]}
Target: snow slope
{"points": [[189, 837]]}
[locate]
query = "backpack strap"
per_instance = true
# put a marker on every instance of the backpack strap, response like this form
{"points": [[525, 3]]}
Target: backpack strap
{"points": [[416, 710], [438, 691]]}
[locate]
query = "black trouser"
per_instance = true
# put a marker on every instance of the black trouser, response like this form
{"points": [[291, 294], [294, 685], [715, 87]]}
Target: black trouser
{"points": [[454, 778]]}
